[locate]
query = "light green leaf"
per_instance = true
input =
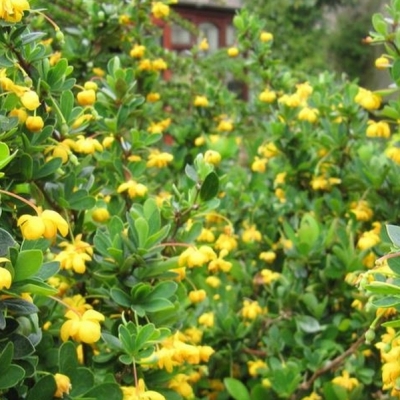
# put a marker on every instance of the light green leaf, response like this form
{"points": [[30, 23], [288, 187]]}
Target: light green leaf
{"points": [[236, 389]]}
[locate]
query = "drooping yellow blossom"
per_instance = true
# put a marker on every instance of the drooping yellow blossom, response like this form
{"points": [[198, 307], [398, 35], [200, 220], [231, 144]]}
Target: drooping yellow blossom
{"points": [[379, 129], [140, 392], [75, 255], [393, 153], [82, 119], [159, 9], [87, 145], [219, 264], [308, 114], [226, 241], [291, 101], [152, 97], [251, 234], [269, 276], [13, 10], [370, 238], [206, 235], [254, 366], [268, 150], [382, 62], [225, 125], [137, 51], [206, 319], [63, 384], [345, 381], [101, 215], [45, 224], [20, 113], [86, 97], [5, 277], [196, 257], [91, 85], [59, 151], [82, 327], [30, 100], [212, 157], [367, 99], [251, 309], [233, 51], [133, 188], [158, 159], [259, 164], [268, 256], [180, 384], [267, 96], [108, 141], [203, 45], [34, 123], [266, 37], [197, 296], [213, 281], [200, 101], [323, 183], [361, 210]]}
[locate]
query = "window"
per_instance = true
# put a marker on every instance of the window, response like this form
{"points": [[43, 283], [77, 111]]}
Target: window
{"points": [[211, 33], [180, 36]]}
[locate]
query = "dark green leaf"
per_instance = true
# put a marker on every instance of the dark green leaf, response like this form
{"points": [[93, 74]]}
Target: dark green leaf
{"points": [[14, 374], [210, 186], [43, 389], [120, 297], [68, 360], [105, 391], [6, 241]]}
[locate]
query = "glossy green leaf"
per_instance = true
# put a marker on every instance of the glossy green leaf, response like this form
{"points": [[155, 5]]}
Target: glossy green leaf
{"points": [[393, 232], [236, 389], [28, 264], [209, 187], [12, 377]]}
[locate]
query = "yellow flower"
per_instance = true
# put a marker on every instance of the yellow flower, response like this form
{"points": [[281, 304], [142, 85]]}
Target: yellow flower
{"points": [[75, 255], [259, 164], [308, 114], [63, 385], [213, 281], [251, 309], [225, 126], [291, 101], [87, 145], [367, 99], [20, 113], [160, 10], [82, 328], [197, 296], [34, 123], [267, 96], [361, 210], [30, 100], [200, 101], [206, 319], [378, 129], [137, 51], [345, 381], [255, 365], [304, 90], [269, 276], [108, 141], [158, 159], [196, 257], [204, 46], [100, 214], [180, 384], [219, 264], [251, 234], [268, 256], [133, 188], [233, 52], [98, 71], [86, 97], [268, 150], [394, 154], [206, 235], [368, 239], [5, 278], [312, 396], [140, 392], [13, 10], [153, 97], [46, 225], [226, 242], [158, 65], [266, 36], [382, 62], [212, 157]]}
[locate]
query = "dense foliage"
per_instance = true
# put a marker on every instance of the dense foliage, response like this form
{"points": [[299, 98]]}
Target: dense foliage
{"points": [[162, 237]]}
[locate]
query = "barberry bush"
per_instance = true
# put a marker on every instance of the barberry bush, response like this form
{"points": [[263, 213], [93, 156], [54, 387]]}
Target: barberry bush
{"points": [[165, 237]]}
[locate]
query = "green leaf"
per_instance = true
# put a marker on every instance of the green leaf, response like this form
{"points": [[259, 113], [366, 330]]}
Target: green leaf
{"points": [[22, 346], [20, 306], [120, 297], [43, 389], [145, 334], [6, 357], [127, 339], [47, 270], [191, 173], [28, 263], [395, 71], [142, 229], [66, 103], [80, 200], [236, 389], [308, 324], [67, 358], [6, 241], [48, 168], [394, 264], [387, 301], [164, 290], [32, 37], [210, 186], [392, 324], [105, 391], [14, 374], [156, 305], [383, 288], [393, 232], [379, 24], [5, 156]]}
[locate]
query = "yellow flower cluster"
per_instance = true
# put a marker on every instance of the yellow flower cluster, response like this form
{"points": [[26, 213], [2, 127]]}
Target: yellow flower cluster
{"points": [[322, 182], [361, 210], [159, 127], [267, 96], [160, 10], [200, 101], [266, 151], [225, 125], [251, 309], [380, 129], [82, 327], [269, 276], [75, 255], [367, 99], [159, 159], [196, 257], [308, 114], [251, 234], [140, 393], [45, 224], [13, 10], [219, 264], [393, 153], [137, 51], [268, 256], [370, 238], [255, 367], [156, 65], [133, 188], [346, 381], [303, 92]]}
